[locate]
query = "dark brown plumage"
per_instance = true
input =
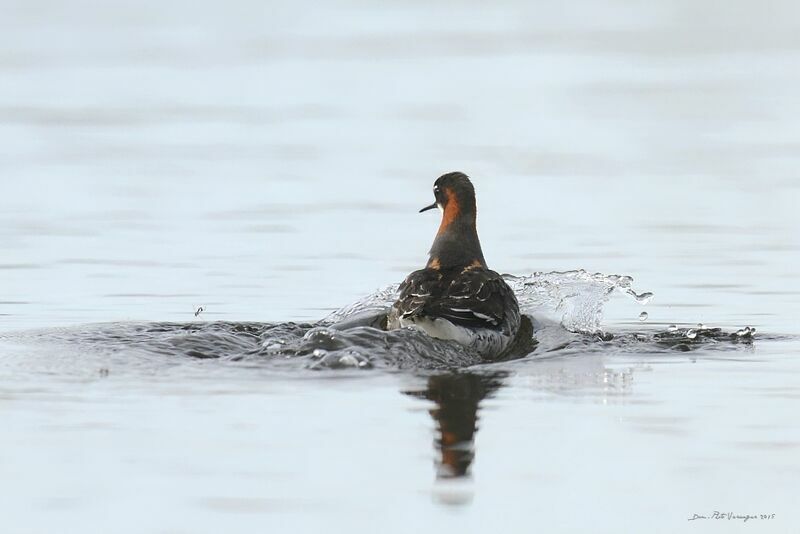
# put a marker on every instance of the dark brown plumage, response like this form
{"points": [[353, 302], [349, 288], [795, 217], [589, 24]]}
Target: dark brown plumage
{"points": [[472, 297]]}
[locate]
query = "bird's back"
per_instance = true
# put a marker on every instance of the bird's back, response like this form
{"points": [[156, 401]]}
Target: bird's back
{"points": [[471, 305]]}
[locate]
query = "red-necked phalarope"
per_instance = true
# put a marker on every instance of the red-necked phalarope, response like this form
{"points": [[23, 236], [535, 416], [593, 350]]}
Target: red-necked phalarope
{"points": [[456, 296]]}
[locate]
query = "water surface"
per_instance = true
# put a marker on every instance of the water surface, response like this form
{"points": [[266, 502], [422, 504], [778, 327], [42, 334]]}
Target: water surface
{"points": [[266, 161]]}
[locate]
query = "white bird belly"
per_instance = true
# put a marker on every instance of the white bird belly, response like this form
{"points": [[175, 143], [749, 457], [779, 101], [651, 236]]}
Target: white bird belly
{"points": [[483, 340]]}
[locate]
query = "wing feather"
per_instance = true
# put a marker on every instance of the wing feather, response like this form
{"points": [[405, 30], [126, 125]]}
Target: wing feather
{"points": [[475, 298]]}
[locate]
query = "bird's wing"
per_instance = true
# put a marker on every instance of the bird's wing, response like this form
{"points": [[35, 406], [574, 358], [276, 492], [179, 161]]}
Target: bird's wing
{"points": [[416, 291], [476, 298]]}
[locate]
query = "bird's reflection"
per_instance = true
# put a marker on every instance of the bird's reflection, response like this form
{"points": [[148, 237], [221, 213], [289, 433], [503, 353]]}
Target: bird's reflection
{"points": [[457, 398]]}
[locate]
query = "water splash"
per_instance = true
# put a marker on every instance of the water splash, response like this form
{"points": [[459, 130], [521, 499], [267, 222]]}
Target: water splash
{"points": [[350, 338], [577, 297], [377, 302], [685, 339]]}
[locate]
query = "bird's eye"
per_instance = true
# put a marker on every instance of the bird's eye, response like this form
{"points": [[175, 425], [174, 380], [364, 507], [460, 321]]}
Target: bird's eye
{"points": [[436, 190]]}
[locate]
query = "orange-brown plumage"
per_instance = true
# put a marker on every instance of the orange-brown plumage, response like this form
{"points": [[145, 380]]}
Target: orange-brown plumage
{"points": [[452, 211]]}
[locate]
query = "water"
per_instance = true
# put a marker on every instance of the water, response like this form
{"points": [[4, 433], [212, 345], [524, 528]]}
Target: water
{"points": [[265, 163]]}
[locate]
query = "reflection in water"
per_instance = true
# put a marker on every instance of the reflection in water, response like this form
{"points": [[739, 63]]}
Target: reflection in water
{"points": [[457, 397]]}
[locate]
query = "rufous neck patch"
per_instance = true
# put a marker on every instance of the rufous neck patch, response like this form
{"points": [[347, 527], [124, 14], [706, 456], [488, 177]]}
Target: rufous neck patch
{"points": [[451, 211]]}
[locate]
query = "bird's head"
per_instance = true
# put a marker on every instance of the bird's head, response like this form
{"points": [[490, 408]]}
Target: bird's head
{"points": [[455, 196]]}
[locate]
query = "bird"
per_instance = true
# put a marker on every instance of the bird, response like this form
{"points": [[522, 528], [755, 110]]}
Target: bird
{"points": [[456, 296]]}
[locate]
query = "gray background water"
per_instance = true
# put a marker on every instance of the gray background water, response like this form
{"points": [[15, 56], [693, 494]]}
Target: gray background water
{"points": [[266, 161]]}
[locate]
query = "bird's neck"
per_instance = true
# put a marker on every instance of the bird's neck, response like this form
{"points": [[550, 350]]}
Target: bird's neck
{"points": [[456, 245]]}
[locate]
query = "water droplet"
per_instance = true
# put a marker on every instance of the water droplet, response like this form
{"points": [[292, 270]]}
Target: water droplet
{"points": [[672, 328], [691, 334], [701, 326], [747, 331], [641, 298], [348, 360], [643, 316], [319, 353]]}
